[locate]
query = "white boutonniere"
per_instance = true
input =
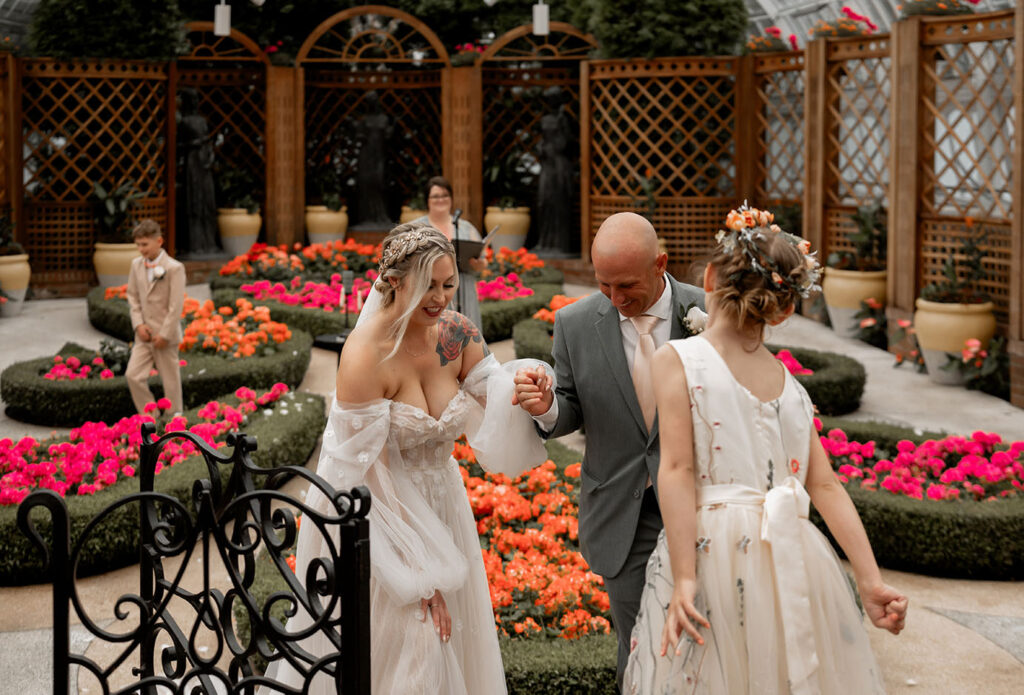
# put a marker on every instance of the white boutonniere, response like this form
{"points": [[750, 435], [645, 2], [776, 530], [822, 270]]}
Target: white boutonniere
{"points": [[158, 272], [693, 318]]}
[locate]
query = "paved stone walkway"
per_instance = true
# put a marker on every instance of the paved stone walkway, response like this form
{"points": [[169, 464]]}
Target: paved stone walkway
{"points": [[961, 636]]}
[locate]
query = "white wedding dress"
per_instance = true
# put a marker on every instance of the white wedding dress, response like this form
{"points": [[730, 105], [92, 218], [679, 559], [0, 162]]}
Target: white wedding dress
{"points": [[422, 533], [782, 613]]}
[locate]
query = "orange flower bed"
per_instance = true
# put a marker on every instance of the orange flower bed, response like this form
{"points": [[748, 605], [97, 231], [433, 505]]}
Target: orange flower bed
{"points": [[539, 582], [316, 260], [559, 301], [505, 261], [227, 332]]}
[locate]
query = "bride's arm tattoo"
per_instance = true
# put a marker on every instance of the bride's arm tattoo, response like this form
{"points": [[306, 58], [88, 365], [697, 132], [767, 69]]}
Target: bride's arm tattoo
{"points": [[454, 333]]}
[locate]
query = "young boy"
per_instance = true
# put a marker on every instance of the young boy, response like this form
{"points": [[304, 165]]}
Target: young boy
{"points": [[156, 294]]}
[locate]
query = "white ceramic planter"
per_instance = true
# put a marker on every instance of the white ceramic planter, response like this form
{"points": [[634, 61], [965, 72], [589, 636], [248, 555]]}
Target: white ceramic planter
{"points": [[942, 329], [515, 223], [113, 262], [844, 290], [14, 276], [239, 229]]}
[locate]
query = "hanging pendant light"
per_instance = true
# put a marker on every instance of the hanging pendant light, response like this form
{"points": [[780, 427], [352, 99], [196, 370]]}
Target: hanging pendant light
{"points": [[222, 19], [541, 25]]}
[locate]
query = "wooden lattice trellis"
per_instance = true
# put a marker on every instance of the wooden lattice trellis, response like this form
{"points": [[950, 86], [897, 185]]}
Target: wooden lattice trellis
{"points": [[779, 84], [229, 75], [856, 132], [84, 123], [517, 69], [662, 133], [6, 64], [966, 150]]}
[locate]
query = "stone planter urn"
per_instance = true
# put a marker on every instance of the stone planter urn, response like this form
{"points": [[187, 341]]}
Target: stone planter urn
{"points": [[113, 262], [14, 276], [515, 223], [239, 229], [324, 225], [844, 291], [943, 327], [409, 214]]}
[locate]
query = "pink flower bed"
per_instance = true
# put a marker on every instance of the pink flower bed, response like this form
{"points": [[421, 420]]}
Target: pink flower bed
{"points": [[792, 364], [315, 295], [73, 369], [502, 288], [981, 467], [96, 455]]}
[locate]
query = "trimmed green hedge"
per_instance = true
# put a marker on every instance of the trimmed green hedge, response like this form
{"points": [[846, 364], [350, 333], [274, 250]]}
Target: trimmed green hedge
{"points": [[963, 538], [111, 317], [498, 317], [835, 387], [284, 438], [30, 398]]}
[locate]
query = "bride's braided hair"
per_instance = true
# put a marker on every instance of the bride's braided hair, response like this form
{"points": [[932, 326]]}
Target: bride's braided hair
{"points": [[410, 250]]}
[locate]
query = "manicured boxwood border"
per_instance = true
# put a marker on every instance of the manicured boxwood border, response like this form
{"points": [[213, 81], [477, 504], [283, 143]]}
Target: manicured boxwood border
{"points": [[30, 398], [283, 439], [498, 317], [111, 317], [964, 539], [835, 387]]}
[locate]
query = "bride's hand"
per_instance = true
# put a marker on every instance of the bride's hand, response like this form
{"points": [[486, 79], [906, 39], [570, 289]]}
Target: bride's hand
{"points": [[439, 613]]}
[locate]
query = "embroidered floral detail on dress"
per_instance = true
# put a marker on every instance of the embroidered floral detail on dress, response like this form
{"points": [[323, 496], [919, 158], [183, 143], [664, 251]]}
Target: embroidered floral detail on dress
{"points": [[771, 474], [744, 543], [357, 424], [739, 589], [363, 458], [703, 544], [794, 465]]}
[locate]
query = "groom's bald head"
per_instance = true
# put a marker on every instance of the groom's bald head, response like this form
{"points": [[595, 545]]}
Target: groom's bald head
{"points": [[627, 263]]}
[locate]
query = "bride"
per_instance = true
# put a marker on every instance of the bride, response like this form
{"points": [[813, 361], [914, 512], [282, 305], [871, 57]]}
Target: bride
{"points": [[414, 377]]}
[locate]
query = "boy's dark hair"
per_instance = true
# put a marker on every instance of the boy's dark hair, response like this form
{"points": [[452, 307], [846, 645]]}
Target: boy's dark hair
{"points": [[147, 228]]}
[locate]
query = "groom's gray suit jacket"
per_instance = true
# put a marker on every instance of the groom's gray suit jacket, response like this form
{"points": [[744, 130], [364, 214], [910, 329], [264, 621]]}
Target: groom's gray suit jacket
{"points": [[594, 388]]}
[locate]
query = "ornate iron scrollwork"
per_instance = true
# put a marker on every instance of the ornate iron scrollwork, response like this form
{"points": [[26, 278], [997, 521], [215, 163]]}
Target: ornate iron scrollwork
{"points": [[169, 637]]}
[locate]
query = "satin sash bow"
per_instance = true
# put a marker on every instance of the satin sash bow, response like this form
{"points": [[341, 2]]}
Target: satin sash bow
{"points": [[783, 506]]}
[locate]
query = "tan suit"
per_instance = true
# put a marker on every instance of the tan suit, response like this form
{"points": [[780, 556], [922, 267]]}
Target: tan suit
{"points": [[157, 304]]}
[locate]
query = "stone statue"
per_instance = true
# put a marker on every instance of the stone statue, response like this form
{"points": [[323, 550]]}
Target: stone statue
{"points": [[200, 205], [373, 130], [555, 185]]}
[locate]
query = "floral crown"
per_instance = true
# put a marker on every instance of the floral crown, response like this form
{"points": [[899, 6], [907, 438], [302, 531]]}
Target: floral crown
{"points": [[745, 227]]}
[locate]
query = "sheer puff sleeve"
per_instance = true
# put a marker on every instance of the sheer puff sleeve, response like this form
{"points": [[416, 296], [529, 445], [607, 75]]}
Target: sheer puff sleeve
{"points": [[412, 553], [502, 435]]}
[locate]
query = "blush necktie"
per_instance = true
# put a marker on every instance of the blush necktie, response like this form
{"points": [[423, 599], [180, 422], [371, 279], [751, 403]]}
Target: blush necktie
{"points": [[642, 366]]}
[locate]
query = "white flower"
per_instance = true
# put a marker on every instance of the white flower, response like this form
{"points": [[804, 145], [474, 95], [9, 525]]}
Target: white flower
{"points": [[696, 319], [159, 272]]}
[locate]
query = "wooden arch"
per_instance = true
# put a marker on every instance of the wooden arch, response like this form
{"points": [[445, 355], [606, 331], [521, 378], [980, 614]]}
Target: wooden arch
{"points": [[564, 42], [236, 47], [326, 45]]}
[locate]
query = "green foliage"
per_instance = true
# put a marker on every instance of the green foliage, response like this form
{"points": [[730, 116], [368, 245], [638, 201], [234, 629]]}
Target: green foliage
{"points": [[960, 279], [31, 398], [653, 28], [114, 209], [510, 181], [111, 317], [985, 370], [499, 318], [8, 246], [235, 188], [532, 340], [871, 323], [312, 321], [284, 439], [560, 667], [150, 30], [869, 241], [837, 383], [912, 8], [790, 218]]}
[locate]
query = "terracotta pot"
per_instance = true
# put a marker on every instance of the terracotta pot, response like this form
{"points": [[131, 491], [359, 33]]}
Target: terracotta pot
{"points": [[323, 225], [14, 276], [515, 223], [942, 328], [239, 229], [113, 262], [844, 291], [409, 214]]}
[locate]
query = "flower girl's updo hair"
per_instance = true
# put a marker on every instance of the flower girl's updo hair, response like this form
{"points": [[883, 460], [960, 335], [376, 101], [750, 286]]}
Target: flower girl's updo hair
{"points": [[760, 269], [408, 254]]}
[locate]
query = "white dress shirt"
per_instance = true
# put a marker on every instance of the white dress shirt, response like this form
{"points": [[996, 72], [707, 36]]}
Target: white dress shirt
{"points": [[661, 332], [150, 265]]}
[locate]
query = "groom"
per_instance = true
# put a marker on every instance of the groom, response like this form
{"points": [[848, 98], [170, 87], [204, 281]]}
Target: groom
{"points": [[602, 347]]}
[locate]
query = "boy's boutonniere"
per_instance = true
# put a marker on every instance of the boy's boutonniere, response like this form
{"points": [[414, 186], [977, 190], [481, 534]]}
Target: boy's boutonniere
{"points": [[158, 272], [693, 318]]}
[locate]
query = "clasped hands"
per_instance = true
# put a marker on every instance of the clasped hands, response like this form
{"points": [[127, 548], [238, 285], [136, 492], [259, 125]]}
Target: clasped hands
{"points": [[533, 390], [146, 335]]}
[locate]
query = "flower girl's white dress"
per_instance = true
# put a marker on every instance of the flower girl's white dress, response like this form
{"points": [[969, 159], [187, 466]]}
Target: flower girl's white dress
{"points": [[783, 615], [422, 533]]}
